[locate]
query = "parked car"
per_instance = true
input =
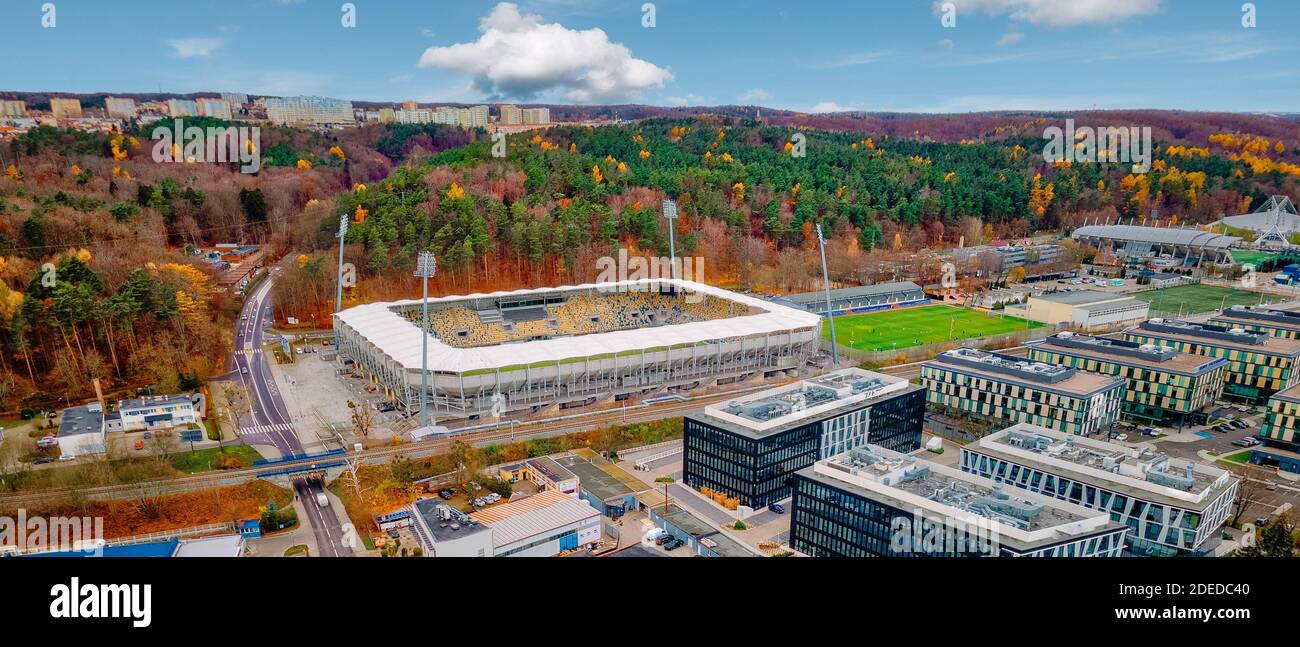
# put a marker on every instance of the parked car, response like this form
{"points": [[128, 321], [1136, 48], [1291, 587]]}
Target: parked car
{"points": [[446, 493], [48, 441], [1270, 486], [664, 539], [1260, 522], [674, 544], [776, 507], [655, 533], [1238, 424], [244, 370], [1148, 431], [43, 460], [1121, 436]]}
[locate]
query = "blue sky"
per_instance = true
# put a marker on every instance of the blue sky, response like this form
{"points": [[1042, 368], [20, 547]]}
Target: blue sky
{"points": [[879, 55]]}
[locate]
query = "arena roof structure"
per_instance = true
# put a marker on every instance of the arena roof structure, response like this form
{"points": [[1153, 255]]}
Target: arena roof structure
{"points": [[383, 325], [1193, 238], [1275, 219]]}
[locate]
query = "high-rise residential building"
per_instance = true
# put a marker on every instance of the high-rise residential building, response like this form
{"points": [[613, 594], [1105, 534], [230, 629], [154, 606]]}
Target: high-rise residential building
{"points": [[410, 105], [65, 108], [119, 106], [475, 117], [1259, 365], [235, 99], [748, 448], [1171, 506], [182, 108], [1163, 386], [1005, 388], [417, 116], [446, 115], [315, 111], [873, 502], [216, 108], [387, 116], [13, 108], [537, 116], [511, 115]]}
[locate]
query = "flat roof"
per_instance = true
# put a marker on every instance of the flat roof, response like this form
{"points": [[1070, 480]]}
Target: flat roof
{"points": [[154, 401], [383, 326], [553, 470], [1212, 335], [1137, 472], [703, 532], [601, 484], [1018, 370], [1081, 297], [1262, 316], [445, 522], [1020, 519], [804, 298], [1149, 356], [85, 419], [1160, 235], [1290, 394], [531, 516], [816, 398]]}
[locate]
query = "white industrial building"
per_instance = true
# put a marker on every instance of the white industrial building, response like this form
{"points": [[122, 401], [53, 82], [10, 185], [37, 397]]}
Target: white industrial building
{"points": [[543, 525]]}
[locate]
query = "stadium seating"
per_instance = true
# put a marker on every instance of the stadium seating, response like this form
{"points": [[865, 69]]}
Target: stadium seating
{"points": [[579, 314]]}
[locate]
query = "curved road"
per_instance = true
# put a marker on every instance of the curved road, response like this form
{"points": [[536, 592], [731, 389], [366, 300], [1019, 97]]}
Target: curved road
{"points": [[268, 421]]}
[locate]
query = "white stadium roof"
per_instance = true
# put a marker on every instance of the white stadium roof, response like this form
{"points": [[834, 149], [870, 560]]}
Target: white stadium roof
{"points": [[1160, 235], [399, 338]]}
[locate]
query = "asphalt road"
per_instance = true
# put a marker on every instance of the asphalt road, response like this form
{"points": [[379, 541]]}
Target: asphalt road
{"points": [[330, 537], [268, 421]]}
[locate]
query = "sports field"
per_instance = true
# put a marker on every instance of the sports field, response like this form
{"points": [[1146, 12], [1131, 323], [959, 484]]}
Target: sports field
{"points": [[1199, 298], [904, 327]]}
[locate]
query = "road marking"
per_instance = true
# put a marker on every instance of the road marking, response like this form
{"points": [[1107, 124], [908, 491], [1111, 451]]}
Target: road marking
{"points": [[264, 429]]}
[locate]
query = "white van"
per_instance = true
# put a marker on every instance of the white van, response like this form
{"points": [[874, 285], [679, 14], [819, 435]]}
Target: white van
{"points": [[322, 500]]}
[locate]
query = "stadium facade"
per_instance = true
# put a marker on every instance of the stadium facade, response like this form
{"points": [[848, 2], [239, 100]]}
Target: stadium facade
{"points": [[572, 345], [1133, 242]]}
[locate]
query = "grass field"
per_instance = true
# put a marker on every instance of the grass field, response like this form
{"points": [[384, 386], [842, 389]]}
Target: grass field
{"points": [[1254, 258], [1190, 299], [893, 329]]}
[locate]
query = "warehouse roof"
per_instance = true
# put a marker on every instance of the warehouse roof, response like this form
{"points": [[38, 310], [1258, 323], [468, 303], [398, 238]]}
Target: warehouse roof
{"points": [[531, 516], [1165, 235], [382, 325]]}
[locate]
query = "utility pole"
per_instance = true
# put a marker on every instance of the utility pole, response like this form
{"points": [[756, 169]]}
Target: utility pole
{"points": [[425, 267], [343, 233], [826, 283], [670, 214]]}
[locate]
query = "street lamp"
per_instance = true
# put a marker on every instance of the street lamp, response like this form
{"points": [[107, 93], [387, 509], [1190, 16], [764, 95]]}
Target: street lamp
{"points": [[670, 214], [343, 233], [826, 283], [425, 266]]}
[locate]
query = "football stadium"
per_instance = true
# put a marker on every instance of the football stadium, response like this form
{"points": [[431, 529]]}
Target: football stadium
{"points": [[571, 346]]}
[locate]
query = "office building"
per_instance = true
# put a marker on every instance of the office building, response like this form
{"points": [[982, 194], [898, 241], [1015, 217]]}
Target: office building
{"points": [[1162, 385], [235, 99], [309, 111], [65, 108], [215, 108], [156, 412], [1170, 506], [10, 108], [1258, 365], [1008, 389], [1083, 310], [1280, 419], [1277, 323], [749, 447], [182, 108], [872, 502], [119, 107], [511, 115]]}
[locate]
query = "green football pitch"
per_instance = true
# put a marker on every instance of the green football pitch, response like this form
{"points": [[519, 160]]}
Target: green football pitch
{"points": [[1198, 298], [904, 327]]}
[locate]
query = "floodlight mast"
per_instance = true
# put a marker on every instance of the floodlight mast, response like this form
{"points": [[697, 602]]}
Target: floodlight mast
{"points": [[670, 214], [826, 283], [425, 266]]}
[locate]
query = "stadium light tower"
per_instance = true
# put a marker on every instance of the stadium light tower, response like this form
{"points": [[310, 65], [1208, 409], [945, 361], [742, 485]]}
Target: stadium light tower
{"points": [[670, 213], [343, 234], [826, 283], [425, 266]]}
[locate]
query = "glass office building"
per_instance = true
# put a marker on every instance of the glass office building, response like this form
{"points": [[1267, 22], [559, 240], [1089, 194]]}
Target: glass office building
{"points": [[872, 502], [750, 447]]}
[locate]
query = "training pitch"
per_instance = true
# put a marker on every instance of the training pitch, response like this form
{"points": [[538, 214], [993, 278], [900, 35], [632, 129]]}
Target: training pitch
{"points": [[904, 327], [1198, 298]]}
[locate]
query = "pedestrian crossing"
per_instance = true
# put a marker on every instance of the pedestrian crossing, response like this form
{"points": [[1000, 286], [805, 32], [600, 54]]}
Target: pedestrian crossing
{"points": [[250, 353], [265, 430]]}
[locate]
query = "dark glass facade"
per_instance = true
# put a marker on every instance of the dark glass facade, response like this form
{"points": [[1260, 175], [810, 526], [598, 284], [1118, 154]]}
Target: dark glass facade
{"points": [[758, 471]]}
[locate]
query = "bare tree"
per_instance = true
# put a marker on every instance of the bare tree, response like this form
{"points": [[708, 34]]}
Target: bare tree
{"points": [[1249, 492], [363, 418]]}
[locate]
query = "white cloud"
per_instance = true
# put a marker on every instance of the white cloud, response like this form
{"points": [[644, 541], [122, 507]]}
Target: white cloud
{"points": [[426, 32], [1058, 13], [945, 44], [518, 56], [831, 106], [1010, 38], [755, 94], [688, 100], [191, 47], [853, 59]]}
